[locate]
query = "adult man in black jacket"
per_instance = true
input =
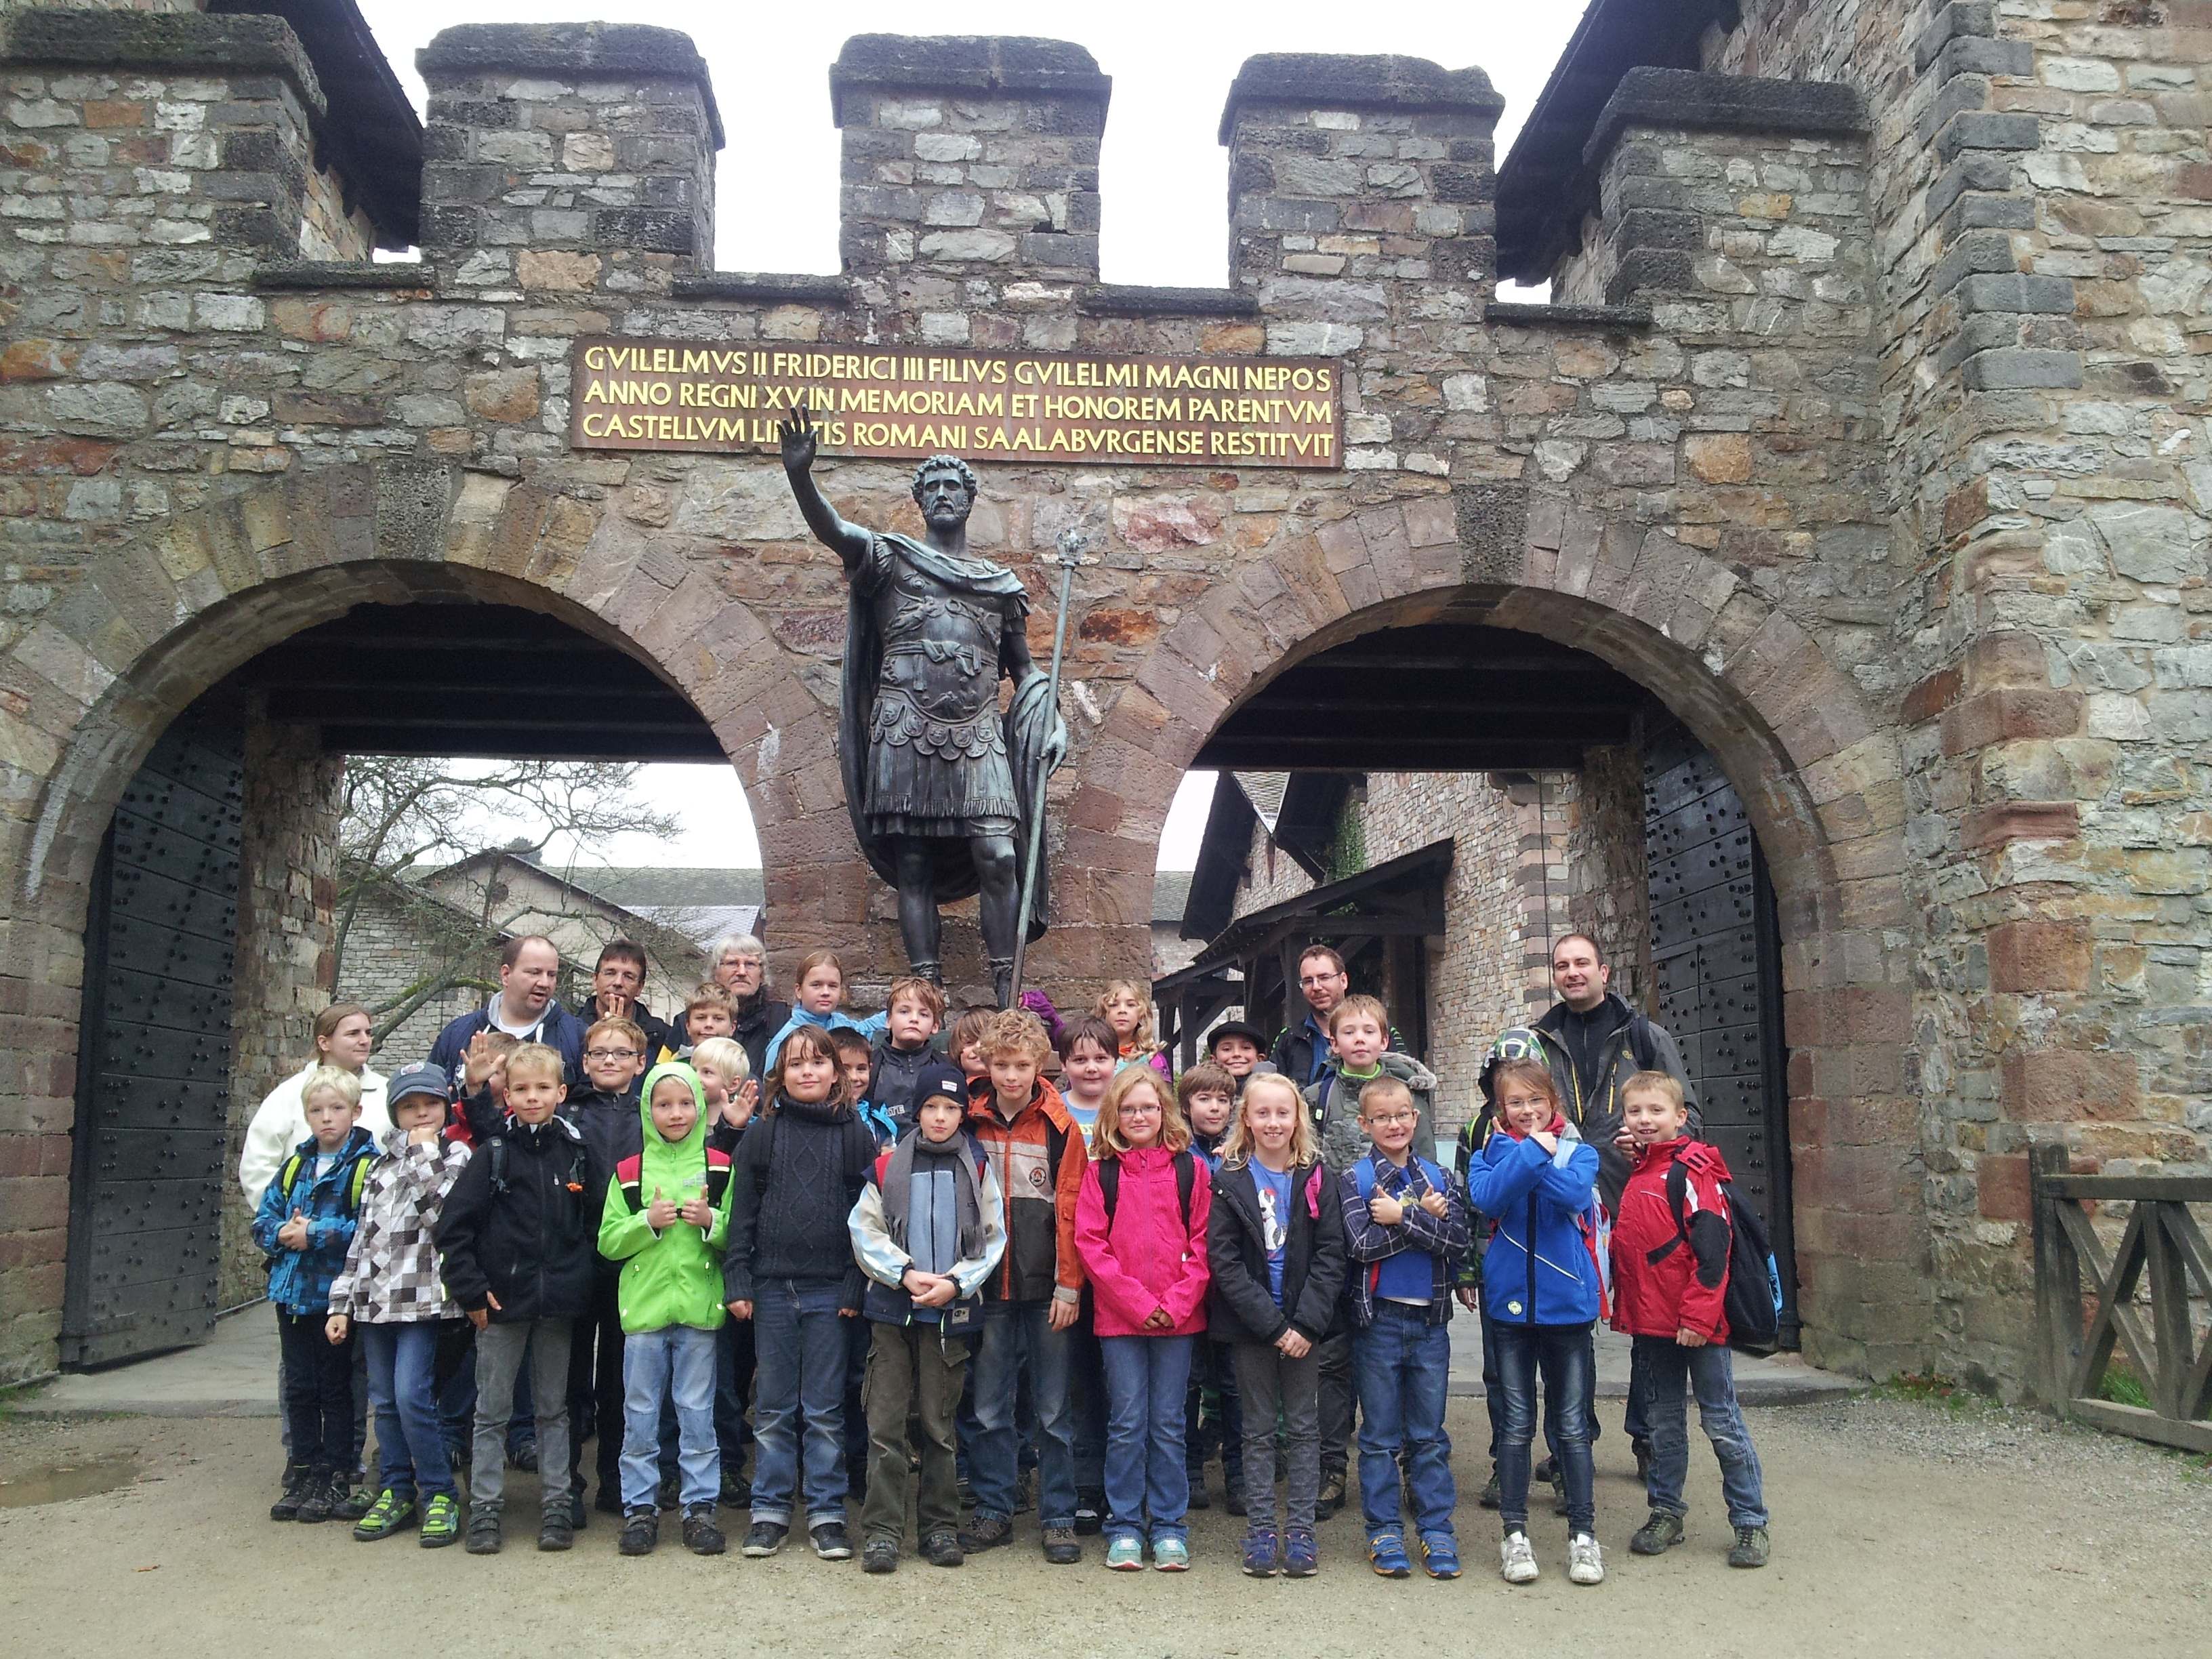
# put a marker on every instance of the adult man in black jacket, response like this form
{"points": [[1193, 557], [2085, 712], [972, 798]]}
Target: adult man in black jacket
{"points": [[617, 980]]}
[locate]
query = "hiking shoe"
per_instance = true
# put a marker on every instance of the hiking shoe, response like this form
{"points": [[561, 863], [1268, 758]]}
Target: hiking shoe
{"points": [[556, 1529], [1386, 1554], [1263, 1554], [609, 1501], [297, 1483], [1641, 1445], [355, 1504], [387, 1515], [942, 1549], [1125, 1554], [1198, 1500], [579, 1512], [1232, 1498], [1331, 1498], [1585, 1561], [1439, 1555], [1547, 1471], [831, 1541], [1657, 1535], [985, 1532], [1558, 1491], [1062, 1548], [1170, 1555], [736, 1492], [700, 1535], [441, 1522], [641, 1532], [1301, 1559], [879, 1555], [524, 1456], [1489, 1498], [763, 1539], [1090, 1513], [317, 1497], [483, 1531], [1025, 1486], [1516, 1560], [1750, 1549]]}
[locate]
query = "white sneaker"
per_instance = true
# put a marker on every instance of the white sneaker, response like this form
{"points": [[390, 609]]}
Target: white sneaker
{"points": [[1585, 1561], [1516, 1561]]}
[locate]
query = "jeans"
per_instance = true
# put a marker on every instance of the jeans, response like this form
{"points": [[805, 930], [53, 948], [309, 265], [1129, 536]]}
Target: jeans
{"points": [[1087, 1403], [858, 1342], [733, 1390], [675, 1362], [799, 1342], [457, 1405], [1339, 1394], [912, 1369], [1562, 1352], [1147, 1483], [501, 1350], [1269, 1385], [1675, 1373], [359, 1409], [318, 1376], [403, 1389], [1213, 1371], [1013, 1332], [1402, 1361], [1636, 1422]]}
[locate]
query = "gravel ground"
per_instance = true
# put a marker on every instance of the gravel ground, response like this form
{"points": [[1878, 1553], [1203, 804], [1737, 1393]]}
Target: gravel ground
{"points": [[1901, 1527]]}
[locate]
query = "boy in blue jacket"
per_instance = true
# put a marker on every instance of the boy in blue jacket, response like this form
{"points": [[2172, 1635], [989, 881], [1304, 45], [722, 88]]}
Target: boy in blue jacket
{"points": [[1542, 1291], [305, 1226]]}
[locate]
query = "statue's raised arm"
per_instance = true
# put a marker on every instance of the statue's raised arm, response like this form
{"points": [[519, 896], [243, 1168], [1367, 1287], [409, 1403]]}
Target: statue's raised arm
{"points": [[800, 437]]}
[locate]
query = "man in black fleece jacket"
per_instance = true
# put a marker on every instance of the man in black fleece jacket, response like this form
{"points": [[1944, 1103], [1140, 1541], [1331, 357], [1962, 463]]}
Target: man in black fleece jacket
{"points": [[789, 1266]]}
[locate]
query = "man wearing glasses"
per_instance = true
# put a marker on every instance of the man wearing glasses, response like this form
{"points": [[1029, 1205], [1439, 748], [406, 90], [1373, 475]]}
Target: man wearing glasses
{"points": [[617, 982], [1300, 1053]]}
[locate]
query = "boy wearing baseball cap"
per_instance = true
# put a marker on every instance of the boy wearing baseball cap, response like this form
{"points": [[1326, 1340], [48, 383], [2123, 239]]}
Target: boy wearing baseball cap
{"points": [[927, 1231]]}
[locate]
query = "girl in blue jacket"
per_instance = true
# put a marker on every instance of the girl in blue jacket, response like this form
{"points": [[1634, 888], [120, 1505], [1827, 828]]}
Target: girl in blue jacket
{"points": [[1543, 1291]]}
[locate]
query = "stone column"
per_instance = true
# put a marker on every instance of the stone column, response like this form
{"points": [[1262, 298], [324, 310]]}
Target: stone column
{"points": [[969, 181], [567, 156]]}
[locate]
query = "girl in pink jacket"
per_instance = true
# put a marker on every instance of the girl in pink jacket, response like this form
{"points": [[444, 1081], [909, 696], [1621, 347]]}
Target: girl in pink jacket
{"points": [[1140, 1232]]}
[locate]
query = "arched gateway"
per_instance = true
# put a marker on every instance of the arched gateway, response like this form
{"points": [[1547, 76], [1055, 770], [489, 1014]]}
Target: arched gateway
{"points": [[213, 442]]}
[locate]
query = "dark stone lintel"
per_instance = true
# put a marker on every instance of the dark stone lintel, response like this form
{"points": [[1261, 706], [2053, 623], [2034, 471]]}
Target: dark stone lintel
{"points": [[606, 51], [225, 45], [1691, 100], [331, 273], [774, 286], [1517, 315], [990, 65], [1126, 300], [1315, 80]]}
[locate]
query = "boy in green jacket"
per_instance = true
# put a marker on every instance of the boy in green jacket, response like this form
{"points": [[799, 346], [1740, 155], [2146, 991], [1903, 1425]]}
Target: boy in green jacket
{"points": [[667, 1213]]}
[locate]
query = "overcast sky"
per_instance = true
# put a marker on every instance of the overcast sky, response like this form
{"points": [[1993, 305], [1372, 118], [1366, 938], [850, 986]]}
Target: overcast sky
{"points": [[1163, 175]]}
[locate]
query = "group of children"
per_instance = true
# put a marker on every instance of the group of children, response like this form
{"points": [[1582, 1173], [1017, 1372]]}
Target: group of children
{"points": [[927, 1235]]}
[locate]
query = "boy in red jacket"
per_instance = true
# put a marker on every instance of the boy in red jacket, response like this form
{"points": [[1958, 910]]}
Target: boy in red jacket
{"points": [[1668, 1285]]}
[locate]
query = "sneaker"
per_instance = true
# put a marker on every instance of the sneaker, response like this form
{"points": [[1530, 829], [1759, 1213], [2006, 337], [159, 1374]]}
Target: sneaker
{"points": [[1062, 1548], [1585, 1561], [1641, 1445], [641, 1532], [483, 1531], [942, 1549], [1658, 1534], [1263, 1554], [1090, 1513], [1331, 1496], [879, 1555], [985, 1532], [556, 1529], [1301, 1559], [1386, 1554], [1516, 1560], [700, 1535], [1125, 1554], [355, 1504], [1489, 1498], [1170, 1555], [1439, 1555], [831, 1542], [317, 1497], [524, 1456], [1750, 1549], [764, 1538], [736, 1492], [297, 1483], [441, 1522], [387, 1515]]}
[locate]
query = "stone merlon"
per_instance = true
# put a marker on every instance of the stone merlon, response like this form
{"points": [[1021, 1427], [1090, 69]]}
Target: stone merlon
{"points": [[1321, 80], [1012, 65], [611, 51]]}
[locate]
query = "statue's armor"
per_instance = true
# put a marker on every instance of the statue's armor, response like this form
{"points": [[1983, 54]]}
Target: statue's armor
{"points": [[937, 760]]}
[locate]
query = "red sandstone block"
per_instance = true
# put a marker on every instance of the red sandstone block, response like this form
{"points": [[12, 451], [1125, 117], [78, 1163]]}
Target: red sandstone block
{"points": [[2002, 1186], [2058, 1085], [2021, 820], [2039, 956], [1931, 696]]}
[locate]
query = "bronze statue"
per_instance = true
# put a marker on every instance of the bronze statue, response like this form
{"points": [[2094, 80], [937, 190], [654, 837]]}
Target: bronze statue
{"points": [[943, 791]]}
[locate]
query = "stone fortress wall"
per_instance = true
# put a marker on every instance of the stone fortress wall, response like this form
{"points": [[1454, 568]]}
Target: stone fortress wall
{"points": [[1868, 445]]}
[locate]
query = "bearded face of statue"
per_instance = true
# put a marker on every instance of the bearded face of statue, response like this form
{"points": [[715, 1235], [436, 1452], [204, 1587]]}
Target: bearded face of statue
{"points": [[944, 498]]}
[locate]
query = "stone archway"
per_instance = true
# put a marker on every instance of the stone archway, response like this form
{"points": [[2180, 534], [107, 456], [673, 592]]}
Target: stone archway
{"points": [[1820, 778]]}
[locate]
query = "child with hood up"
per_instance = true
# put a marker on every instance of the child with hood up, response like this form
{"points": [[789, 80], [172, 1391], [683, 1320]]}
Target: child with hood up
{"points": [[667, 1214]]}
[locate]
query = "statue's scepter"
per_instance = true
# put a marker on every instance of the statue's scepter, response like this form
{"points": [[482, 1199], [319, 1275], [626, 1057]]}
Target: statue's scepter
{"points": [[1071, 555]]}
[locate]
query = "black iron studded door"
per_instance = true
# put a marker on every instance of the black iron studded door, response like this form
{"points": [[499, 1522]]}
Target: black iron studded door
{"points": [[155, 1052], [1715, 962]]}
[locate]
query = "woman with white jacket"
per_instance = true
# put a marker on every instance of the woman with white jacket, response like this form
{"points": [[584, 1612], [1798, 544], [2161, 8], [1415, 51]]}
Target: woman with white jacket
{"points": [[343, 1039]]}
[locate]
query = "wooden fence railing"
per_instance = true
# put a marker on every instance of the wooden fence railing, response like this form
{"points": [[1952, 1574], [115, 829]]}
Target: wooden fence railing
{"points": [[2081, 1320]]}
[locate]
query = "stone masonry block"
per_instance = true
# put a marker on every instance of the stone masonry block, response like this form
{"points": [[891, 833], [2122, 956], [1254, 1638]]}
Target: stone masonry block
{"points": [[2036, 955], [2064, 1086], [2023, 366]]}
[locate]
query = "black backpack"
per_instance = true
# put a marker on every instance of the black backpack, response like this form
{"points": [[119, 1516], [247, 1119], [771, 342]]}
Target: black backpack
{"points": [[1109, 1183], [1751, 1302]]}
